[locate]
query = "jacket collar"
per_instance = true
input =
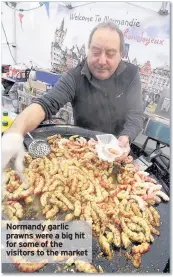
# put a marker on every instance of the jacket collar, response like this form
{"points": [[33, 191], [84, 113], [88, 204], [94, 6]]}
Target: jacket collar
{"points": [[120, 69]]}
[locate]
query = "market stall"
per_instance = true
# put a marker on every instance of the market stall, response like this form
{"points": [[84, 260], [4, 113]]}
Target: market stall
{"points": [[127, 203]]}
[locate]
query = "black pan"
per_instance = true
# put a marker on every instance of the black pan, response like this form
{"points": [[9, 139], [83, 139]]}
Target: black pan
{"points": [[153, 261]]}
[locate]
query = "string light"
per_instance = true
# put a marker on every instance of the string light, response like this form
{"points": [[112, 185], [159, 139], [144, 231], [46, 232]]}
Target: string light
{"points": [[22, 10]]}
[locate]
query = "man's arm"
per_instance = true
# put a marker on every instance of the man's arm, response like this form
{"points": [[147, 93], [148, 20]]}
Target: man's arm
{"points": [[62, 92], [134, 119], [31, 117], [45, 106], [28, 120]]}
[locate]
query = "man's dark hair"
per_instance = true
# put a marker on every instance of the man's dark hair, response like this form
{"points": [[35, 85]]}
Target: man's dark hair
{"points": [[111, 26]]}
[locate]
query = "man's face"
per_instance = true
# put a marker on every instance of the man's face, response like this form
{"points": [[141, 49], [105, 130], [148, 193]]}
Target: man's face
{"points": [[104, 53]]}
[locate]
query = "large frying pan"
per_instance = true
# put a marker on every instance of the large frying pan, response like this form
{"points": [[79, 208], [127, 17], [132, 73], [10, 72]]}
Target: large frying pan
{"points": [[153, 261]]}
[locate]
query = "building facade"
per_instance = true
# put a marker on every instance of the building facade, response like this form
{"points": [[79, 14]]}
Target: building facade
{"points": [[159, 79], [145, 73], [64, 59]]}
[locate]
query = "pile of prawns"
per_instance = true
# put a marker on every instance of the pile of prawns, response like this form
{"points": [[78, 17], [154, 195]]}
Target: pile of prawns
{"points": [[74, 181]]}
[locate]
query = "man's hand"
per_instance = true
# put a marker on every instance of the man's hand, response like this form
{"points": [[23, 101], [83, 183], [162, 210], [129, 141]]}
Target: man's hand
{"points": [[124, 143], [12, 146]]}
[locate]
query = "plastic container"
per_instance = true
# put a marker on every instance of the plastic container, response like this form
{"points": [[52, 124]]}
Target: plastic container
{"points": [[108, 147], [107, 139], [7, 103], [6, 121]]}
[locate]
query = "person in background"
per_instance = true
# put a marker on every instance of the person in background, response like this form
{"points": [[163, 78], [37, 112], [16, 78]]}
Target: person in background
{"points": [[104, 91]]}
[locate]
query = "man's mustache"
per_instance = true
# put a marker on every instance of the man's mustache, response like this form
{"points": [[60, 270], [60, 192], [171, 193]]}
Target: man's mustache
{"points": [[102, 68]]}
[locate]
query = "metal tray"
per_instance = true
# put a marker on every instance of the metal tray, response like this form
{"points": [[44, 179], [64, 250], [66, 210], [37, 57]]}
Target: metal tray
{"points": [[153, 261]]}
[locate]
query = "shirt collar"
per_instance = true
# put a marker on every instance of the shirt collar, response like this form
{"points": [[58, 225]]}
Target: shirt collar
{"points": [[121, 67], [85, 70]]}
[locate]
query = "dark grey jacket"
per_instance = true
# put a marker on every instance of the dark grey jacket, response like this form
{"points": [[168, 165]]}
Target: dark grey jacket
{"points": [[111, 106]]}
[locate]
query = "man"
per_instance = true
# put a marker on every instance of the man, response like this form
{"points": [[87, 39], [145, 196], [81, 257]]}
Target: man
{"points": [[104, 91]]}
